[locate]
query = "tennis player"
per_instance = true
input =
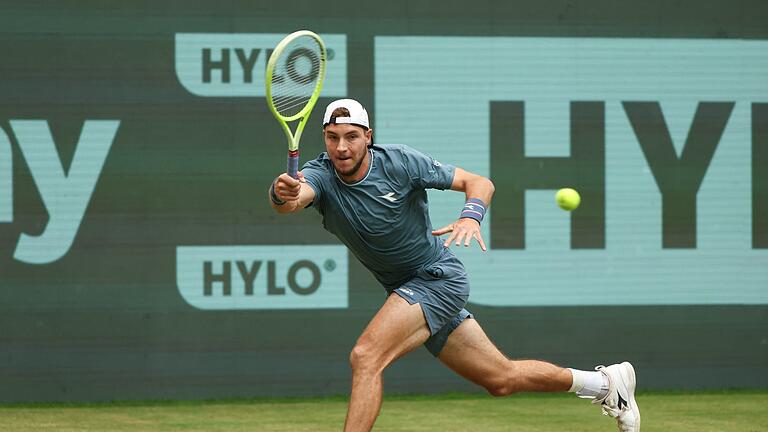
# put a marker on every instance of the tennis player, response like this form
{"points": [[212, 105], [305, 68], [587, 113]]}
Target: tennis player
{"points": [[373, 198]]}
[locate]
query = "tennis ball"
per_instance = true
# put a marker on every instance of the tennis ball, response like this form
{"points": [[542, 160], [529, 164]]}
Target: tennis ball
{"points": [[567, 199]]}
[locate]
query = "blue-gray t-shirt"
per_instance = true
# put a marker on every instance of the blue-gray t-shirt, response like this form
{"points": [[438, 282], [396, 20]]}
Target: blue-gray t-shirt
{"points": [[383, 218]]}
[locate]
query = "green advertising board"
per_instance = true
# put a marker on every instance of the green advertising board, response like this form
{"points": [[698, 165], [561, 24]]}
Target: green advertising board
{"points": [[140, 259]]}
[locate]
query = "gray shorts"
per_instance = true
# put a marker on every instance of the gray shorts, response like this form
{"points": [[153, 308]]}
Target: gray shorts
{"points": [[442, 290]]}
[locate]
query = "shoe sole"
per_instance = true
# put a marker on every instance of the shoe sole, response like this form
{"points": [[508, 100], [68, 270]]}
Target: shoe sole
{"points": [[632, 402]]}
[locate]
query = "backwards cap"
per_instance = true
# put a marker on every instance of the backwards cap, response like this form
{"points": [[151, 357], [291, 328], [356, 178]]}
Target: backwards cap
{"points": [[357, 114]]}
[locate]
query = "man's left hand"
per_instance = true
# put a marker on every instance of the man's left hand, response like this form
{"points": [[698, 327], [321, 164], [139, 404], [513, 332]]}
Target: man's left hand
{"points": [[463, 230]]}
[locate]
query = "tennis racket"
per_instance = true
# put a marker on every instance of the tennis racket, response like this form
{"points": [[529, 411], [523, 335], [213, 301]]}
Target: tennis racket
{"points": [[295, 74]]}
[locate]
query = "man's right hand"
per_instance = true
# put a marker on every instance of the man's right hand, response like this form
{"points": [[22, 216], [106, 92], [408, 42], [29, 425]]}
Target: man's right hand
{"points": [[287, 188]]}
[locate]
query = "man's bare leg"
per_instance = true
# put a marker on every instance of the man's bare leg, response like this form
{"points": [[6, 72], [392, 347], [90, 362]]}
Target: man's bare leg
{"points": [[395, 330], [472, 355]]}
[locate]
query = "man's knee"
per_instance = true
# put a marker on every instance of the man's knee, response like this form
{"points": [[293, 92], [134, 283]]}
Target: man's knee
{"points": [[501, 385], [500, 389], [365, 358]]}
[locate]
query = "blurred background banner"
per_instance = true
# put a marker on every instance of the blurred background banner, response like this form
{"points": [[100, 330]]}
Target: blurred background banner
{"points": [[140, 259], [656, 134]]}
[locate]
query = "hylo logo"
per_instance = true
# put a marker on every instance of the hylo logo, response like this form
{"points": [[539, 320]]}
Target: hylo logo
{"points": [[226, 64], [263, 277], [249, 272]]}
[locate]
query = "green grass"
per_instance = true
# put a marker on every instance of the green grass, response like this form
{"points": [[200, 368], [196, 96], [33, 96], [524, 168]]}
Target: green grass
{"points": [[742, 411]]}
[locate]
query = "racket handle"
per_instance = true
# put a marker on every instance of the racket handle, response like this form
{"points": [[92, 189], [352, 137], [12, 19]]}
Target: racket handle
{"points": [[293, 163]]}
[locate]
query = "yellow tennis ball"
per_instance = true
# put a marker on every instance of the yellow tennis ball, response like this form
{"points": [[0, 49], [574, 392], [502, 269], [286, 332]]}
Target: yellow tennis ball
{"points": [[567, 199]]}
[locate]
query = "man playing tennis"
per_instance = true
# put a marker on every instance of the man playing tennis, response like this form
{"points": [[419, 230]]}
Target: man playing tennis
{"points": [[373, 198]]}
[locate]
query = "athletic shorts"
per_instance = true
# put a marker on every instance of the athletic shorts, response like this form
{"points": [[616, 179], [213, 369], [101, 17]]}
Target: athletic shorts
{"points": [[442, 290]]}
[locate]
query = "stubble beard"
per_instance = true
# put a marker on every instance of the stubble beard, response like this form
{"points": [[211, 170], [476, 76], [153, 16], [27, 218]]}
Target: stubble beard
{"points": [[352, 171]]}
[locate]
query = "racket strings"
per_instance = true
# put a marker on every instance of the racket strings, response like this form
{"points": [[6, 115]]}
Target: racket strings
{"points": [[290, 103], [296, 75]]}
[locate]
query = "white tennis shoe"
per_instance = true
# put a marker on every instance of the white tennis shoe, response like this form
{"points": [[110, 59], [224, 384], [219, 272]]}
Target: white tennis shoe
{"points": [[620, 403]]}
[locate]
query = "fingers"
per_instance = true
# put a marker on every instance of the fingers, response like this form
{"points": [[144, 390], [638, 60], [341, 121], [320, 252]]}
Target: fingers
{"points": [[443, 230], [480, 241], [462, 232], [450, 238], [463, 237], [287, 188], [288, 180]]}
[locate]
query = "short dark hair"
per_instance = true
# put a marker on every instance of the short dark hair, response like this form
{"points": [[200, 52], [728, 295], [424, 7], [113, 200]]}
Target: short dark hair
{"points": [[341, 112]]}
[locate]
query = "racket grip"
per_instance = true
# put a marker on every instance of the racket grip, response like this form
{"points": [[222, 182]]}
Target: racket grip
{"points": [[293, 163]]}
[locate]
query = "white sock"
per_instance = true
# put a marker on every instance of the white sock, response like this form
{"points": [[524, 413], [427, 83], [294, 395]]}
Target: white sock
{"points": [[589, 384]]}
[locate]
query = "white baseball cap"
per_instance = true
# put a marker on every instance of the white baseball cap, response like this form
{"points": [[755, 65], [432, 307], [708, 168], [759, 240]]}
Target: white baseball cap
{"points": [[357, 114]]}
